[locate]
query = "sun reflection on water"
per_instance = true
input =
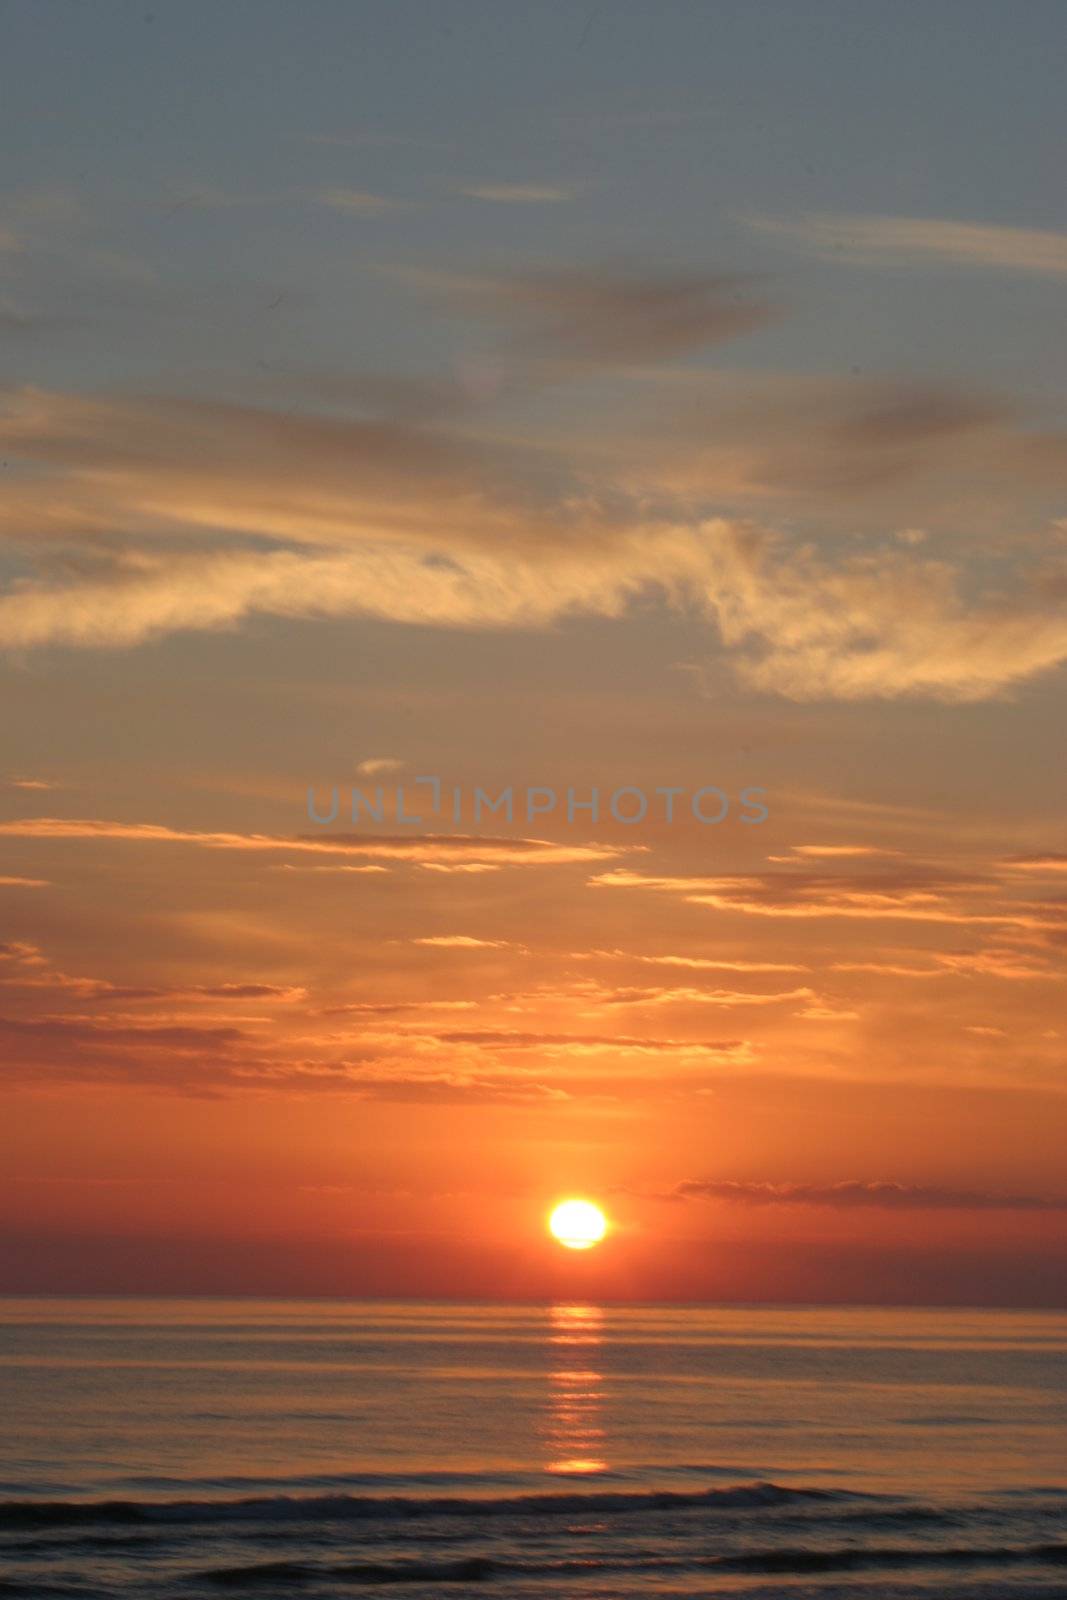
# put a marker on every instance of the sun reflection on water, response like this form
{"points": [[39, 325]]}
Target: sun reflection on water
{"points": [[572, 1429]]}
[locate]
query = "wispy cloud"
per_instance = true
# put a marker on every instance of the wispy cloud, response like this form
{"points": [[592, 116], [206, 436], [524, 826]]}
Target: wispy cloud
{"points": [[415, 525], [823, 1011], [463, 941], [377, 766], [1010, 965], [888, 240], [607, 316], [461, 866], [95, 1034], [425, 847], [854, 1195], [909, 894], [360, 202], [831, 851], [587, 1043], [520, 193], [1050, 861], [697, 963], [653, 996], [21, 953]]}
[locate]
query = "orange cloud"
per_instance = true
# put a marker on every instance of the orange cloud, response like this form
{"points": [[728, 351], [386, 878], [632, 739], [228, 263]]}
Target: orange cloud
{"points": [[425, 847], [411, 524]]}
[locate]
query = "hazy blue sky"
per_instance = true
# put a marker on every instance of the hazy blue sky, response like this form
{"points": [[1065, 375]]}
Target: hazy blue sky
{"points": [[174, 165]]}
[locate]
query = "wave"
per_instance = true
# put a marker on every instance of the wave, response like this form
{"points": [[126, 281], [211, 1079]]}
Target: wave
{"points": [[856, 1557], [331, 1508], [468, 1569], [517, 1479], [480, 1569]]}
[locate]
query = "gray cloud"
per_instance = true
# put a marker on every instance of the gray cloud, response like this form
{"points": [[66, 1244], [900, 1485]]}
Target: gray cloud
{"points": [[578, 1043], [608, 316], [857, 1195]]}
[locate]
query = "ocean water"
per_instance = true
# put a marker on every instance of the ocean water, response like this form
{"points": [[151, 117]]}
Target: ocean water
{"points": [[194, 1448]]}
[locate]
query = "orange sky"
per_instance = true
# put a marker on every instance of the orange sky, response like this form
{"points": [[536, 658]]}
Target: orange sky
{"points": [[645, 417], [783, 1073]]}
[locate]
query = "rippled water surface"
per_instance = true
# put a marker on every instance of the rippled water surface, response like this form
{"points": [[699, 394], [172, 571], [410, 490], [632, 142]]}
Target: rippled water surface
{"points": [[323, 1448]]}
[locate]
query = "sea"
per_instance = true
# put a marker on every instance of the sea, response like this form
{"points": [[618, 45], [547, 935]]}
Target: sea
{"points": [[299, 1448]]}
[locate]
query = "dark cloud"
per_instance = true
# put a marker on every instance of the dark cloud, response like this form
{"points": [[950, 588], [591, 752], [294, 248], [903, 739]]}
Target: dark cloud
{"points": [[62, 1030], [607, 316], [1044, 861], [857, 1195], [515, 1039], [833, 440]]}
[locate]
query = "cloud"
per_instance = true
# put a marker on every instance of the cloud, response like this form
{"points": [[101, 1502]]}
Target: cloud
{"points": [[871, 627], [1050, 861], [360, 202], [687, 996], [877, 626], [699, 963], [372, 1008], [853, 1195], [30, 970], [520, 193], [886, 240], [414, 526], [22, 953], [586, 1043], [95, 1034], [206, 991], [607, 316], [911, 894], [156, 469], [464, 941], [424, 847], [828, 1013], [431, 1089], [23, 883], [889, 969], [463, 866], [1006, 964], [902, 451], [454, 849], [288, 866], [834, 850], [459, 1090], [374, 766]]}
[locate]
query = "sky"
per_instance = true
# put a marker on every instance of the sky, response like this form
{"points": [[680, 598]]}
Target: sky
{"points": [[549, 399]]}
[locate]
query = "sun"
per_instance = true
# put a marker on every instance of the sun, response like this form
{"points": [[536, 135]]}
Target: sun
{"points": [[578, 1224]]}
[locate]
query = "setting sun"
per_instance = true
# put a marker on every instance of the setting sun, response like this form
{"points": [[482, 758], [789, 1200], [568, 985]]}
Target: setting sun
{"points": [[578, 1224]]}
